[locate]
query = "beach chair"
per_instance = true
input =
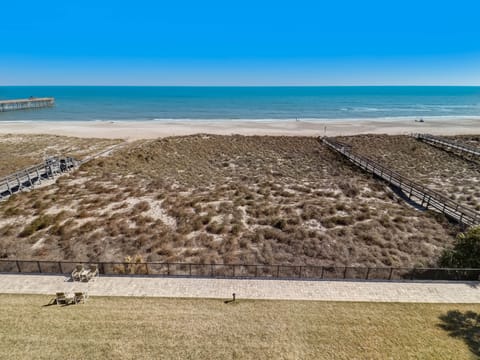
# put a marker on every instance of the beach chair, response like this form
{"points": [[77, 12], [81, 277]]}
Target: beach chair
{"points": [[62, 299], [94, 273], [76, 273], [80, 297]]}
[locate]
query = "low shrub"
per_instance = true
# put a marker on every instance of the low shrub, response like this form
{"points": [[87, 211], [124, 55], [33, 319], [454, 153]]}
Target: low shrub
{"points": [[41, 222]]}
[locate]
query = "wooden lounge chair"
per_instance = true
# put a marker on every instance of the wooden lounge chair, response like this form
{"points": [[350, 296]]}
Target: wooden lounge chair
{"points": [[94, 273], [90, 274], [85, 275], [62, 299], [76, 273], [80, 297]]}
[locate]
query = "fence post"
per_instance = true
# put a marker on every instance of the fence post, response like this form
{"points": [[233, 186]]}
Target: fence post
{"points": [[390, 275], [233, 270], [211, 270], [300, 272], [256, 270], [146, 268], [60, 267], [18, 266], [413, 274], [168, 268], [278, 270], [368, 272], [321, 276], [345, 273], [190, 269], [39, 267]]}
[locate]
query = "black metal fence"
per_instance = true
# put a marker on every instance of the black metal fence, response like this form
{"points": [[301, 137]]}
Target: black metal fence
{"points": [[243, 271]]}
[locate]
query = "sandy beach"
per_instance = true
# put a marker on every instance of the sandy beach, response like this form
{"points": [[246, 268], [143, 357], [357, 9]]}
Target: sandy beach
{"points": [[134, 130]]}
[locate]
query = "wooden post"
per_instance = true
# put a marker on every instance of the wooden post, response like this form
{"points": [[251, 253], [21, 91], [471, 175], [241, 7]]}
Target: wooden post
{"points": [[28, 177]]}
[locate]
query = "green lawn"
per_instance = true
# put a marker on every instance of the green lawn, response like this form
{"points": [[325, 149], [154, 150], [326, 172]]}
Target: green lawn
{"points": [[157, 328]]}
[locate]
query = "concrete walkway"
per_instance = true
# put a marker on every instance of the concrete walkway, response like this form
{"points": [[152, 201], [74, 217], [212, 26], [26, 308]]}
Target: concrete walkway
{"points": [[374, 291]]}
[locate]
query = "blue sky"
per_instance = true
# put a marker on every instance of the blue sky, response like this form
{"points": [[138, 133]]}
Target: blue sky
{"points": [[148, 42]]}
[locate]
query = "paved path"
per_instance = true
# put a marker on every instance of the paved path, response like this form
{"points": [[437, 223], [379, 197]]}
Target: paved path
{"points": [[377, 291]]}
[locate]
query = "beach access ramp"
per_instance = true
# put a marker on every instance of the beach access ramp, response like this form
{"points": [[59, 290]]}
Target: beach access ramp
{"points": [[418, 193], [30, 176], [449, 145]]}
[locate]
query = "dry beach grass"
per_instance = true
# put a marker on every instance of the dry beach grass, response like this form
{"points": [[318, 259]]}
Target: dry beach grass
{"points": [[19, 151], [228, 199], [440, 170]]}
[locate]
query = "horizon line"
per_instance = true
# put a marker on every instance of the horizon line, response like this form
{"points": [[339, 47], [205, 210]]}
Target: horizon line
{"points": [[243, 85]]}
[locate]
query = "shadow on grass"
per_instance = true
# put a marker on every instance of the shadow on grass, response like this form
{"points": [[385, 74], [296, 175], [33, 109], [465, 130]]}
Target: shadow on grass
{"points": [[465, 326]]}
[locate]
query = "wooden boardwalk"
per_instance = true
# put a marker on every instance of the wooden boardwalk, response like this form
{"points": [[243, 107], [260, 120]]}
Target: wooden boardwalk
{"points": [[427, 198], [449, 145], [51, 167], [22, 104], [28, 177]]}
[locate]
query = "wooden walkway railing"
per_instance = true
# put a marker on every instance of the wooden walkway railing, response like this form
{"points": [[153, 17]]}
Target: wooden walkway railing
{"points": [[425, 197], [447, 144], [242, 270], [28, 177]]}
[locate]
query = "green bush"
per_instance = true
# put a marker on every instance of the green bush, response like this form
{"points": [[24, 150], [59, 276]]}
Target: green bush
{"points": [[466, 251]]}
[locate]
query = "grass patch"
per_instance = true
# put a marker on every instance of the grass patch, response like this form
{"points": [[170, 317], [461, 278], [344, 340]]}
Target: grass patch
{"points": [[156, 328]]}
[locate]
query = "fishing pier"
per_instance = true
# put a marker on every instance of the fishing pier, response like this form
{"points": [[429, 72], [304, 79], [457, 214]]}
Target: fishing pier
{"points": [[23, 104]]}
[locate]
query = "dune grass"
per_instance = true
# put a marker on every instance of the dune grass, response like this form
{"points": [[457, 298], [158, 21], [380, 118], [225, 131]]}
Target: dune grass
{"points": [[222, 199], [234, 199], [20, 151], [157, 328], [442, 171]]}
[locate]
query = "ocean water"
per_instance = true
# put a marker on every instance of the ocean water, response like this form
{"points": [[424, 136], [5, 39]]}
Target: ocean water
{"points": [[225, 103]]}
